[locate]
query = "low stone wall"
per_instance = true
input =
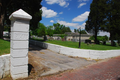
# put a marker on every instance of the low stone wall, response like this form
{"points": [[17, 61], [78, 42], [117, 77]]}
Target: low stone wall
{"points": [[38, 43], [85, 53], [4, 65]]}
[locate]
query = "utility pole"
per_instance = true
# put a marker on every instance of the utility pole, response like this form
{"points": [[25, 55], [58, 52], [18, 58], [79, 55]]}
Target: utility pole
{"points": [[80, 37]]}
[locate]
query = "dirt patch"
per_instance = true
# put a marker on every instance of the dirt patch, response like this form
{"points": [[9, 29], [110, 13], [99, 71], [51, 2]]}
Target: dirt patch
{"points": [[35, 69]]}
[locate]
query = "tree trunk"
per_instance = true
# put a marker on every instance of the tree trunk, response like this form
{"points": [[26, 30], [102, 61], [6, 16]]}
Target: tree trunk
{"points": [[1, 26], [3, 5], [111, 37], [96, 41], [45, 37]]}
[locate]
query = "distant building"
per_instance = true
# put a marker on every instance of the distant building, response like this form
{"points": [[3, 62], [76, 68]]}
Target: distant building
{"points": [[5, 33], [71, 36]]}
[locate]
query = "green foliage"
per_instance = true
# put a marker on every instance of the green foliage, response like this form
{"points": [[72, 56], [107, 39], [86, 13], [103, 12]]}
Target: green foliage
{"points": [[82, 31], [50, 30], [31, 33], [94, 18], [4, 47], [83, 45], [6, 28], [92, 38], [60, 29], [100, 38], [34, 32], [75, 30], [57, 28], [62, 35], [41, 31], [104, 15], [32, 7]]}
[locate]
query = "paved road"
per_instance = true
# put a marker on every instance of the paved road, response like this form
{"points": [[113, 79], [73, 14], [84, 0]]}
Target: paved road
{"points": [[107, 70], [56, 62]]}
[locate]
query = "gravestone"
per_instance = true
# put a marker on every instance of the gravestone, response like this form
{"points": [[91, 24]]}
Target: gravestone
{"points": [[88, 41], [19, 43]]}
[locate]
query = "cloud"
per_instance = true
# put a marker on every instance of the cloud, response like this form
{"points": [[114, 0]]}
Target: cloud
{"points": [[81, 17], [82, 0], [82, 26], [51, 21], [48, 13], [51, 1], [67, 24], [60, 2], [69, 9], [75, 25], [61, 13], [78, 26], [85, 0], [67, 5], [103, 33], [81, 4]]}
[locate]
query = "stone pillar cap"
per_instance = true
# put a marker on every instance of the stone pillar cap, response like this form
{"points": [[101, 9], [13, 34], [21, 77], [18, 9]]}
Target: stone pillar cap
{"points": [[20, 14]]}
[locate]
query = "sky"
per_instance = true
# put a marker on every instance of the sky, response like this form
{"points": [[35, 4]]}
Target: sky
{"points": [[71, 13]]}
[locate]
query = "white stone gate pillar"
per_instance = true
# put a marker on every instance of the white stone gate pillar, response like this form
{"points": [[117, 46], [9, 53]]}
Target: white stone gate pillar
{"points": [[19, 43]]}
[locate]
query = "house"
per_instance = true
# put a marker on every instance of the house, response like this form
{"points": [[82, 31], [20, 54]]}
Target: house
{"points": [[71, 36]]}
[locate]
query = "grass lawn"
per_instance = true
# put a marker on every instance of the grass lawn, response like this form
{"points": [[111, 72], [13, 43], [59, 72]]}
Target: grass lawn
{"points": [[4, 47], [83, 45]]}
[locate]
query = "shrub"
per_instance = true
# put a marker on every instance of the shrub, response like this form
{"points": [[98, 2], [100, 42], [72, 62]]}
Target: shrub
{"points": [[62, 35], [100, 38]]}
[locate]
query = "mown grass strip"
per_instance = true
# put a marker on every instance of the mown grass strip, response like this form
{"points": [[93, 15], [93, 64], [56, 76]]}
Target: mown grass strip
{"points": [[83, 45], [4, 47]]}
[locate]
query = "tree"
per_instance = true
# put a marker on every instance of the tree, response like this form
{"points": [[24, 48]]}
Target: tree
{"points": [[116, 18], [67, 29], [111, 20], [108, 22], [100, 38], [50, 30], [9, 6], [64, 29], [57, 28], [83, 32], [95, 18], [62, 36], [60, 29], [41, 31], [75, 30], [105, 15], [3, 6]]}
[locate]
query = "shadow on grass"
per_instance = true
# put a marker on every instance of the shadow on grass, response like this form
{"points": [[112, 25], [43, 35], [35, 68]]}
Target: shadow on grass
{"points": [[38, 39]]}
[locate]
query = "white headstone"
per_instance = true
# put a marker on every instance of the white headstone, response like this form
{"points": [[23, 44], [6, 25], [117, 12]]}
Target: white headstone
{"points": [[19, 43]]}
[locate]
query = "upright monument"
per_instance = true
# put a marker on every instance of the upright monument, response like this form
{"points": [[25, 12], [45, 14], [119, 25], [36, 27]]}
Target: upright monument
{"points": [[19, 43]]}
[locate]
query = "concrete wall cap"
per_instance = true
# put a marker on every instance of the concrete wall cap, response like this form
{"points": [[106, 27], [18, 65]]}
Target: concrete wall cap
{"points": [[20, 14]]}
